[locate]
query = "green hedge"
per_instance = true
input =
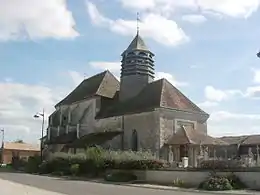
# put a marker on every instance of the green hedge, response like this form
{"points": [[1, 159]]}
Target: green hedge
{"points": [[95, 161], [220, 183]]}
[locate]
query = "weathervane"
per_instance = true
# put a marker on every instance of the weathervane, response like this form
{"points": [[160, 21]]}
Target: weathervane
{"points": [[137, 22]]}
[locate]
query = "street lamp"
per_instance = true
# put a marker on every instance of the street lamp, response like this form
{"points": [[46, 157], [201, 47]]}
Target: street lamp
{"points": [[37, 115], [258, 54], [2, 148]]}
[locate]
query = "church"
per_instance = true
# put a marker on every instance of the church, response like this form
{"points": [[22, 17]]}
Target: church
{"points": [[136, 113]]}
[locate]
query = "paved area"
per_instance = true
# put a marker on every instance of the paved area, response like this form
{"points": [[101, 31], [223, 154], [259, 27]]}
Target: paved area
{"points": [[26, 184]]}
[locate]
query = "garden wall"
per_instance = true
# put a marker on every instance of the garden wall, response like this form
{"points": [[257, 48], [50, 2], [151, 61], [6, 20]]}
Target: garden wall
{"points": [[250, 178]]}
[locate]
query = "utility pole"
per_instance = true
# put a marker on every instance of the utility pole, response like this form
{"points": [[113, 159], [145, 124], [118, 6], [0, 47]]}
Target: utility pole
{"points": [[2, 147], [37, 115]]}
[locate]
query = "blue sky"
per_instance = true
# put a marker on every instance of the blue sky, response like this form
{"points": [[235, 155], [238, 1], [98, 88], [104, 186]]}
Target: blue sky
{"points": [[206, 48]]}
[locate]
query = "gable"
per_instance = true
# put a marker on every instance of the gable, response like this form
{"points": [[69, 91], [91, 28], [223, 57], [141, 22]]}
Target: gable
{"points": [[102, 84]]}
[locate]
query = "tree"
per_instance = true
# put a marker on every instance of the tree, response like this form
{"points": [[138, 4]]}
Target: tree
{"points": [[19, 141]]}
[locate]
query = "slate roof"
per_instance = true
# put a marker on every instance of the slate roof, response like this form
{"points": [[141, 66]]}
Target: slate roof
{"points": [[188, 135], [103, 84], [158, 94], [137, 44]]}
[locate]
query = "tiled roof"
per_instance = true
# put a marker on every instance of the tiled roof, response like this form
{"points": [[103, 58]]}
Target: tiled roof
{"points": [[233, 139], [251, 140], [102, 84], [21, 146], [157, 94], [188, 135]]}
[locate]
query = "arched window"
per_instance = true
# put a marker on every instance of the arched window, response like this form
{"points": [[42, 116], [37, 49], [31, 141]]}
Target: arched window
{"points": [[134, 140]]}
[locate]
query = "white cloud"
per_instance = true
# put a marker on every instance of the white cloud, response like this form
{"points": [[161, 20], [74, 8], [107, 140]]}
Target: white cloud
{"points": [[218, 95], [19, 102], [193, 18], [115, 67], [256, 78], [170, 78], [231, 8], [207, 104], [112, 66], [35, 19], [152, 25], [223, 123], [76, 77], [225, 115]]}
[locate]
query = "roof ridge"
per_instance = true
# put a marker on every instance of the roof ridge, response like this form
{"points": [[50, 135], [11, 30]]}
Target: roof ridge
{"points": [[161, 92], [188, 99], [105, 74]]}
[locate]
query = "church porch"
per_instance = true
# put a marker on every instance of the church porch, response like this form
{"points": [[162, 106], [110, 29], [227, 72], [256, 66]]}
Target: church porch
{"points": [[193, 145]]}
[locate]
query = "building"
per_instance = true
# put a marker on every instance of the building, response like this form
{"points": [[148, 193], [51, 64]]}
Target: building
{"points": [[136, 113], [20, 150]]}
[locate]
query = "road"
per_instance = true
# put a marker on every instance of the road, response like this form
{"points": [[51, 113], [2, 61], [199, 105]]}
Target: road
{"points": [[71, 187]]}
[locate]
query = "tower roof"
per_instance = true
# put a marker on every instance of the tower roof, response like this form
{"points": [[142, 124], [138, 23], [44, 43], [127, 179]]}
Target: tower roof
{"points": [[137, 44]]}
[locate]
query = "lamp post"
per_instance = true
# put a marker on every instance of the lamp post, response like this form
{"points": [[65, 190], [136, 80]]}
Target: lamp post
{"points": [[37, 115], [2, 147]]}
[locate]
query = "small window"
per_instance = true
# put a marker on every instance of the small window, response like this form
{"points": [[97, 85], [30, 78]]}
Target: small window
{"points": [[134, 140]]}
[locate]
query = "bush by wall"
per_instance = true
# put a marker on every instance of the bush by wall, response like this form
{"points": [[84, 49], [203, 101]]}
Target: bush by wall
{"points": [[220, 183], [33, 163], [96, 160], [120, 177], [220, 164]]}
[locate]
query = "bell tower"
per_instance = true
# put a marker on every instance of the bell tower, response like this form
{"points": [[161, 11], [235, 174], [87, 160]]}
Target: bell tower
{"points": [[137, 68]]}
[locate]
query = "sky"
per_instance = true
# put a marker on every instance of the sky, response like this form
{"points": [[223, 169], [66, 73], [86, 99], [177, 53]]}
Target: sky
{"points": [[206, 48]]}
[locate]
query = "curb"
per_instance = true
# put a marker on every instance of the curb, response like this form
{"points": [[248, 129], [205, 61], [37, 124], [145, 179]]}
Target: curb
{"points": [[188, 190], [155, 187]]}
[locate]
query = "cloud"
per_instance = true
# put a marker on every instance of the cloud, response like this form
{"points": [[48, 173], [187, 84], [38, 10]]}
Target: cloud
{"points": [[112, 66], [208, 104], [193, 18], [218, 95], [227, 123], [231, 8], [152, 25], [20, 101], [256, 78], [170, 78], [225, 115], [115, 67], [76, 77], [35, 19]]}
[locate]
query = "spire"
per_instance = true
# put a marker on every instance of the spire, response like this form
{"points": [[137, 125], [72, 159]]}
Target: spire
{"points": [[137, 43], [137, 67], [137, 23]]}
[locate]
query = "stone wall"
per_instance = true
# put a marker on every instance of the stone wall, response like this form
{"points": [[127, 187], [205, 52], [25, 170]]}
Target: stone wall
{"points": [[147, 126], [168, 120], [194, 178]]}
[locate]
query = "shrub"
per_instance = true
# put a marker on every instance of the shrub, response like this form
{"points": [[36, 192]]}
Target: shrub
{"points": [[32, 166], [235, 182], [220, 164], [178, 183], [120, 177], [216, 183], [74, 169], [96, 160]]}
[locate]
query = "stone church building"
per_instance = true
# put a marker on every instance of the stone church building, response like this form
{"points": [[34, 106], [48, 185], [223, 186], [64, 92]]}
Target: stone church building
{"points": [[135, 113]]}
